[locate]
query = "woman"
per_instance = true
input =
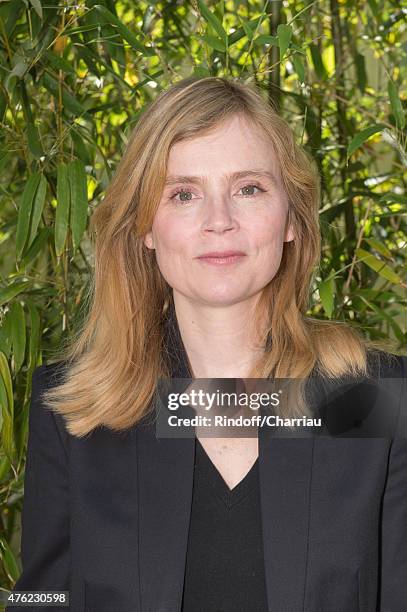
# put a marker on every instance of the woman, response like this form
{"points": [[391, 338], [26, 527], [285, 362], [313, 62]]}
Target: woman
{"points": [[205, 246]]}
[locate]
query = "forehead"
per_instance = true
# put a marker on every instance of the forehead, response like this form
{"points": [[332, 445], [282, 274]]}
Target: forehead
{"points": [[233, 145]]}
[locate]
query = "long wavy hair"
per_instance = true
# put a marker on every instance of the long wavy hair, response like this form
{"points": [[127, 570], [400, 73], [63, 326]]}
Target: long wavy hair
{"points": [[116, 356]]}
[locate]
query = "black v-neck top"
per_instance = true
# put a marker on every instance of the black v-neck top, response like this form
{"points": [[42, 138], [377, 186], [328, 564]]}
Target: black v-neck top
{"points": [[225, 564]]}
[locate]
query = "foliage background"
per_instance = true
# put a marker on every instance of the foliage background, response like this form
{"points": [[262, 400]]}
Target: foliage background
{"points": [[74, 78]]}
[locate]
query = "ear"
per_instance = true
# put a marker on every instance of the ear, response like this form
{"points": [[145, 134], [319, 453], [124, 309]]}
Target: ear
{"points": [[149, 240]]}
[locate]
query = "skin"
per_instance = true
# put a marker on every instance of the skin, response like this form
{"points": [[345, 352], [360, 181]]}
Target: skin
{"points": [[214, 304]]}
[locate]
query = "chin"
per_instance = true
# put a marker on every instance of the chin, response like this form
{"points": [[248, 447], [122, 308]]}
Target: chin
{"points": [[221, 298]]}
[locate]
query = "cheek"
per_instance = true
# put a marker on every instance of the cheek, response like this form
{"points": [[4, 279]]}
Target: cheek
{"points": [[169, 236], [172, 246], [268, 233]]}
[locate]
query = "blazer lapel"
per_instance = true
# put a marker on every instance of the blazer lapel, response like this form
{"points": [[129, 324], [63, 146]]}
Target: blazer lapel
{"points": [[165, 482], [285, 470], [285, 474], [165, 479]]}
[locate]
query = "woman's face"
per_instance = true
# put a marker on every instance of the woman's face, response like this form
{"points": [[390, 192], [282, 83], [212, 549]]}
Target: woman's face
{"points": [[223, 194]]}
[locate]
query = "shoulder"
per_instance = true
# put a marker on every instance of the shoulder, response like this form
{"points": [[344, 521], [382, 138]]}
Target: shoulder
{"points": [[47, 375], [376, 400], [42, 416], [390, 370], [382, 364]]}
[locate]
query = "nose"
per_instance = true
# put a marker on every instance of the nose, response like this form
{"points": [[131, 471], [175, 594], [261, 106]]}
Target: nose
{"points": [[219, 215]]}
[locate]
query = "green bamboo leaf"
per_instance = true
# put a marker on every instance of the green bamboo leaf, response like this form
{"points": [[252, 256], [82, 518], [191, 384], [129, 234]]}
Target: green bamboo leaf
{"points": [[240, 32], [18, 333], [299, 67], [63, 208], [386, 317], [214, 43], [379, 247], [10, 12], [284, 35], [319, 66], [9, 561], [5, 464], [396, 106], [362, 136], [148, 19], [8, 385], [85, 28], [10, 292], [361, 75], [24, 213], [37, 208], [36, 247], [79, 201], [124, 30], [211, 19], [326, 290], [80, 148], [394, 197], [265, 39], [378, 266], [7, 408], [5, 335], [33, 139], [33, 337], [36, 4], [5, 417]]}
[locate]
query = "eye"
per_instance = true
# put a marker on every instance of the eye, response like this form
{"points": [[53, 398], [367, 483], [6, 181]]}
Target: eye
{"points": [[250, 187], [183, 192]]}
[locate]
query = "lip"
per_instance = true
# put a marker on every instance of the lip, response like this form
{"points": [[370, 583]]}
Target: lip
{"points": [[222, 257]]}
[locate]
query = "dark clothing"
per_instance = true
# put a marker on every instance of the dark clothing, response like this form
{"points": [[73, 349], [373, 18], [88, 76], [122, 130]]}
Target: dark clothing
{"points": [[107, 516], [225, 563]]}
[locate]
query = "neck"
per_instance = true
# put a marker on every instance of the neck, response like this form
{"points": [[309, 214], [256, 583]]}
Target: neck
{"points": [[220, 341]]}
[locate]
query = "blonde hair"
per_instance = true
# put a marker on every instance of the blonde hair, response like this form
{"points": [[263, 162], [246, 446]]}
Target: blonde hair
{"points": [[117, 355]]}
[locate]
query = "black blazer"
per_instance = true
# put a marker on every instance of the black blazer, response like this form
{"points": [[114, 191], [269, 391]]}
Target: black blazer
{"points": [[106, 517]]}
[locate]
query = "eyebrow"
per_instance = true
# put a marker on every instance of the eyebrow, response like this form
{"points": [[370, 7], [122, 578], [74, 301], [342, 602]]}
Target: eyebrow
{"points": [[171, 180]]}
